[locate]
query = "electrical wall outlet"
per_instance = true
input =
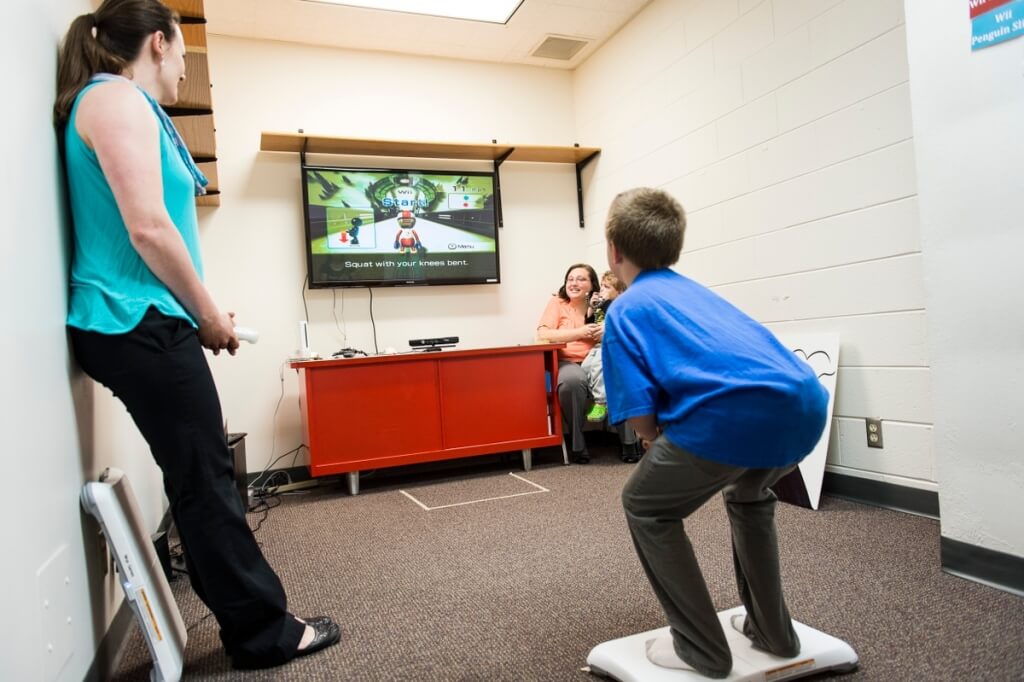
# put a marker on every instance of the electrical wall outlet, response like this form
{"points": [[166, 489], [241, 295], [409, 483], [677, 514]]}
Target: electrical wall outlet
{"points": [[54, 592], [874, 432]]}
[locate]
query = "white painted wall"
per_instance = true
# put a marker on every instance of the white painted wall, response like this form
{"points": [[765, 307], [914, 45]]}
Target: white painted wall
{"points": [[784, 128], [59, 428], [253, 242], [968, 109]]}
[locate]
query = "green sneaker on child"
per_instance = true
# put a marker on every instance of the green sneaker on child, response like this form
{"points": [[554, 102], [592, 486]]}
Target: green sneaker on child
{"points": [[597, 413]]}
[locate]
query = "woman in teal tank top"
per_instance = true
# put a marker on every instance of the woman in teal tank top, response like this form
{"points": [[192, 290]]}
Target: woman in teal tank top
{"points": [[140, 315]]}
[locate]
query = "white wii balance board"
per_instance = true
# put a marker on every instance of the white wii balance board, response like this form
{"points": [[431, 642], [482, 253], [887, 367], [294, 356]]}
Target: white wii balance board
{"points": [[625, 659], [113, 504]]}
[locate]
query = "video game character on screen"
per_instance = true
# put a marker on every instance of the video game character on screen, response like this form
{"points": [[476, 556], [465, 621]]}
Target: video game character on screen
{"points": [[406, 239], [354, 230]]}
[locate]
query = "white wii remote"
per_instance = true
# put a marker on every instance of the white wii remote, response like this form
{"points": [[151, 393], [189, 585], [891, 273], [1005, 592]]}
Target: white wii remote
{"points": [[247, 334]]}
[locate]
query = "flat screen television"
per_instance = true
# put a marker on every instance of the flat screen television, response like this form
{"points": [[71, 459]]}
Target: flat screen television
{"points": [[373, 228]]}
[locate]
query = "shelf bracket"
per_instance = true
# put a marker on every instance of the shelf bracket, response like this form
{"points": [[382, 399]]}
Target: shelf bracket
{"points": [[302, 152], [497, 185], [580, 165]]}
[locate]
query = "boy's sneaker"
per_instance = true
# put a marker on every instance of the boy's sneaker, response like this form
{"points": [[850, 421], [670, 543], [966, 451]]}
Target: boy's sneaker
{"points": [[597, 413]]}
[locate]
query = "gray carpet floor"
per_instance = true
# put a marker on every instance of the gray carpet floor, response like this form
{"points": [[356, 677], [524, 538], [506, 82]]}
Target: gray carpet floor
{"points": [[521, 585]]}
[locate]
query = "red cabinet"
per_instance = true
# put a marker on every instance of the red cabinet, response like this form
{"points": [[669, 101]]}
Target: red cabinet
{"points": [[389, 410]]}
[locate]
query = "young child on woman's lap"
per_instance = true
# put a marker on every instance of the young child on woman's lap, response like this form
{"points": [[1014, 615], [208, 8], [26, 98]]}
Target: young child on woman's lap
{"points": [[611, 286]]}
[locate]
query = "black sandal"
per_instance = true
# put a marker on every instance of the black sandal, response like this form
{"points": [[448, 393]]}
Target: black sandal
{"points": [[325, 633]]}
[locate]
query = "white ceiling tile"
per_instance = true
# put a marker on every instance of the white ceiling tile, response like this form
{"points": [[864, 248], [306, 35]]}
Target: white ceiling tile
{"points": [[362, 29]]}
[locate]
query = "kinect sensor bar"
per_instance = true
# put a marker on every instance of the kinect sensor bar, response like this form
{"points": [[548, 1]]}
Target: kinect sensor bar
{"points": [[440, 341]]}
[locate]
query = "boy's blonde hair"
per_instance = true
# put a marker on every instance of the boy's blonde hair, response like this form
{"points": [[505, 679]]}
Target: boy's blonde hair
{"points": [[647, 226], [614, 282]]}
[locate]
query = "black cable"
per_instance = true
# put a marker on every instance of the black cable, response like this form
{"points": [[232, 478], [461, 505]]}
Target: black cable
{"points": [[268, 490], [297, 454], [267, 484], [372, 323], [275, 461], [267, 495], [269, 487], [263, 507]]}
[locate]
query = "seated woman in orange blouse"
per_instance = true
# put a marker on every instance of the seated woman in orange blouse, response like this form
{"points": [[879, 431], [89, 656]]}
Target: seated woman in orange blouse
{"points": [[564, 321]]}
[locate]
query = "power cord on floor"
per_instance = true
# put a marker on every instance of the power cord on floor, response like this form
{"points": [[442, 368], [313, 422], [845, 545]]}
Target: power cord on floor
{"points": [[294, 451], [265, 501]]}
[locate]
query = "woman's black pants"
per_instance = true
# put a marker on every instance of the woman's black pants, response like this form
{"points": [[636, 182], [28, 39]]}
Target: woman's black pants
{"points": [[159, 371]]}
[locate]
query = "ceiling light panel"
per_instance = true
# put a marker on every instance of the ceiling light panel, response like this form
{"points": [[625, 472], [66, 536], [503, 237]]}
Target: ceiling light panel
{"points": [[492, 11]]}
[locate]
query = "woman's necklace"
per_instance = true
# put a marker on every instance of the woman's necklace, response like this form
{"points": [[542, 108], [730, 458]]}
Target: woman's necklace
{"points": [[581, 307]]}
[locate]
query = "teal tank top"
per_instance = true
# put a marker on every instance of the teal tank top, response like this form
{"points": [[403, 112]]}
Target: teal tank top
{"points": [[111, 286]]}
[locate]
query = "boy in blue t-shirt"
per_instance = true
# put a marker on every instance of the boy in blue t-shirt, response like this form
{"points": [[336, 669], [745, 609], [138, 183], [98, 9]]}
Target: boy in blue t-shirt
{"points": [[721, 405]]}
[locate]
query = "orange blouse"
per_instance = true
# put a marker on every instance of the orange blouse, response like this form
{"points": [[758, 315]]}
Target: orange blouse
{"points": [[563, 315]]}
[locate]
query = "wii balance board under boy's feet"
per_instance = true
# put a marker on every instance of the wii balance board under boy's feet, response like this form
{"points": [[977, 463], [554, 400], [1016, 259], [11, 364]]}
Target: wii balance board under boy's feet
{"points": [[625, 659], [113, 504]]}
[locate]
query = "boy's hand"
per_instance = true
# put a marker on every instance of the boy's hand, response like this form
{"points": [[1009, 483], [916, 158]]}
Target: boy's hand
{"points": [[646, 428], [646, 442]]}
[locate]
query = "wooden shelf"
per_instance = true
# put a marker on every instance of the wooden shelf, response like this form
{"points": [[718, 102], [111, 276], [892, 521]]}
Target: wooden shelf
{"points": [[313, 144], [209, 169], [193, 113], [199, 134], [195, 38], [195, 93], [211, 198], [495, 153], [188, 9]]}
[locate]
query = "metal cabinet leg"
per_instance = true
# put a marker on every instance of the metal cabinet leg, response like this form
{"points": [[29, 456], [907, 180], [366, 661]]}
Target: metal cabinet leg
{"points": [[353, 482], [565, 454], [527, 459]]}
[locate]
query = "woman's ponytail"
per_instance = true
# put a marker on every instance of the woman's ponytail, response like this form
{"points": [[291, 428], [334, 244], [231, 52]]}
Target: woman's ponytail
{"points": [[81, 55], [105, 41]]}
